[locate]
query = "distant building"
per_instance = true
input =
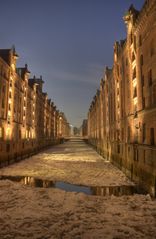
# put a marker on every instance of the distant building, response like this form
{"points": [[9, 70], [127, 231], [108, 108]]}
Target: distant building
{"points": [[122, 115], [64, 127], [84, 128], [29, 120], [76, 131]]}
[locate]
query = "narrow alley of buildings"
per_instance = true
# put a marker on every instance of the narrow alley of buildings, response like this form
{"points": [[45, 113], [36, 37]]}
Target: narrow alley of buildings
{"points": [[28, 211]]}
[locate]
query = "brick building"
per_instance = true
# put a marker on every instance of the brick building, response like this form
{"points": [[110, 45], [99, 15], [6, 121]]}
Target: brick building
{"points": [[127, 102], [28, 119]]}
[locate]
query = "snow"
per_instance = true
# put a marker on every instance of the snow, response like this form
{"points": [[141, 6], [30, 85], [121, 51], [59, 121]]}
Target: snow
{"points": [[72, 162], [50, 213]]}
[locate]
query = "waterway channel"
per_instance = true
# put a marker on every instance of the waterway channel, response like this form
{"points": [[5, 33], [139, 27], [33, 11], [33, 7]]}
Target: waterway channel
{"points": [[90, 190]]}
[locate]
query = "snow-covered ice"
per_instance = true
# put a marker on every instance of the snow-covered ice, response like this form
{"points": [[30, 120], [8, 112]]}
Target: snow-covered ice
{"points": [[50, 213], [72, 162]]}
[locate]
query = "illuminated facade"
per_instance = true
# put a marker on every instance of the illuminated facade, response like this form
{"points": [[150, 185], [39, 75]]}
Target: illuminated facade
{"points": [[84, 129], [63, 126], [28, 119], [126, 104]]}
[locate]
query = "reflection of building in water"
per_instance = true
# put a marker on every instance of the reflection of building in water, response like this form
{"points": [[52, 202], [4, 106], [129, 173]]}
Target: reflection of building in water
{"points": [[122, 114], [113, 190], [35, 182]]}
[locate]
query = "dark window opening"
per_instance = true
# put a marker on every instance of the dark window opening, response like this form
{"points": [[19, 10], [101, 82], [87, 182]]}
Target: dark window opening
{"points": [[135, 92], [134, 73], [118, 148], [150, 77], [152, 140], [135, 154], [141, 60], [142, 80]]}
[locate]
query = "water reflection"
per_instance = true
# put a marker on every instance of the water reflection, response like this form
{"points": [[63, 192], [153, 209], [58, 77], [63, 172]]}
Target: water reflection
{"points": [[113, 190], [99, 191]]}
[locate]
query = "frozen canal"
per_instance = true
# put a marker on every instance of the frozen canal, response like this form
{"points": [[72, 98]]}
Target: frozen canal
{"points": [[27, 211]]}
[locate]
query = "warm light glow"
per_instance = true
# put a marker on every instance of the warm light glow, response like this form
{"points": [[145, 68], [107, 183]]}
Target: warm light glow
{"points": [[8, 132], [134, 63], [134, 82], [13, 66], [1, 132], [27, 134], [33, 134], [135, 100]]}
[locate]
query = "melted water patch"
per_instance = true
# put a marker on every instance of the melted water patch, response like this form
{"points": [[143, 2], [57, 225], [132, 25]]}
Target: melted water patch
{"points": [[90, 190]]}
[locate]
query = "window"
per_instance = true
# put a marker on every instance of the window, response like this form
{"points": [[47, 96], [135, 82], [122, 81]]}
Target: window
{"points": [[141, 60], [135, 43], [135, 92], [118, 70], [118, 148], [3, 89], [152, 140], [143, 132], [3, 103], [134, 73], [140, 40], [9, 119], [135, 154], [133, 57], [19, 134], [10, 83], [1, 132], [150, 77], [118, 135]]}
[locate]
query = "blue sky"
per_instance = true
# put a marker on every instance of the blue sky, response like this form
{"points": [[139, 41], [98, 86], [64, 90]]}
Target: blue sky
{"points": [[68, 42]]}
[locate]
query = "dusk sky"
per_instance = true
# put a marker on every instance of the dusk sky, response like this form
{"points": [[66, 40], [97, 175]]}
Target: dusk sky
{"points": [[68, 42]]}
